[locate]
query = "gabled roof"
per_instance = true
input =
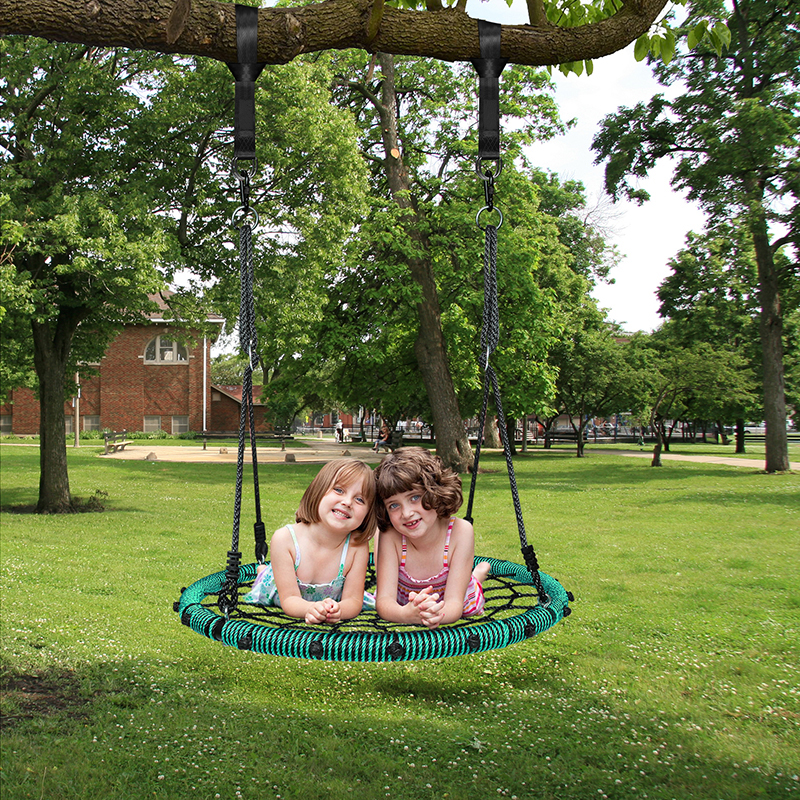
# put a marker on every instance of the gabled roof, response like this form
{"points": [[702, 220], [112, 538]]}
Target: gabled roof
{"points": [[161, 299], [235, 393]]}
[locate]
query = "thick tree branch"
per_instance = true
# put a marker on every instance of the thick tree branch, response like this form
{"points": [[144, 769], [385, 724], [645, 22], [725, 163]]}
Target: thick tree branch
{"points": [[208, 28]]}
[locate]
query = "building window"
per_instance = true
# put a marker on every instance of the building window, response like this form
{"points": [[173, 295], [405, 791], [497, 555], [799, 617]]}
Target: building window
{"points": [[163, 350], [180, 424], [5, 423], [69, 424], [91, 422], [152, 424]]}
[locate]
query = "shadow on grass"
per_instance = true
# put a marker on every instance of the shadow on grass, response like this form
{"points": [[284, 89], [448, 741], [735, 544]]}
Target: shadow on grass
{"points": [[475, 729]]}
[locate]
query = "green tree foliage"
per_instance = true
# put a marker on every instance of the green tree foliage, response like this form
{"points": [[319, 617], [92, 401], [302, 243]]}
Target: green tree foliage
{"points": [[710, 296], [733, 133], [87, 248], [113, 163], [368, 335], [596, 376], [682, 383]]}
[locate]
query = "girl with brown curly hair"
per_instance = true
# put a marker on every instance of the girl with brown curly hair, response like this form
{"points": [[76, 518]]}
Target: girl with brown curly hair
{"points": [[419, 536]]}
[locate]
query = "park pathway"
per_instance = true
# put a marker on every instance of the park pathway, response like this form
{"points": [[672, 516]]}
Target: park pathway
{"points": [[312, 451], [319, 451], [750, 463]]}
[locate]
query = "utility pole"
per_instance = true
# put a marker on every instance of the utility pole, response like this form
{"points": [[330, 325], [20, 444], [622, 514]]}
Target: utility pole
{"points": [[76, 424]]}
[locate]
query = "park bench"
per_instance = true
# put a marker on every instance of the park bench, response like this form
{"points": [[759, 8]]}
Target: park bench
{"points": [[791, 437], [115, 441], [395, 441]]}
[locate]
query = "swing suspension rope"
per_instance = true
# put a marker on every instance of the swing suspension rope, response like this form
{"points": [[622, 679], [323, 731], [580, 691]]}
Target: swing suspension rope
{"points": [[521, 601]]}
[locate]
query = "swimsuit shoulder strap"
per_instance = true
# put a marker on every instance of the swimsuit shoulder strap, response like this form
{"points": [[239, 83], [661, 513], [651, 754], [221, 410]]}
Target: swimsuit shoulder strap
{"points": [[344, 556], [296, 547], [447, 540]]}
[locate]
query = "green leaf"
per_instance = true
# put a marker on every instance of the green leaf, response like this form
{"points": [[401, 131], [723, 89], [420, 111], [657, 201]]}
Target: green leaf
{"points": [[668, 47], [655, 46], [642, 47], [696, 34], [722, 30]]}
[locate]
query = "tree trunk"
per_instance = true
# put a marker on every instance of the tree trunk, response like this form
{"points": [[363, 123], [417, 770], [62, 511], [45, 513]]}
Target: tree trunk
{"points": [[580, 442], [659, 445], [771, 331], [50, 353], [511, 433], [491, 434], [740, 446], [452, 444]]}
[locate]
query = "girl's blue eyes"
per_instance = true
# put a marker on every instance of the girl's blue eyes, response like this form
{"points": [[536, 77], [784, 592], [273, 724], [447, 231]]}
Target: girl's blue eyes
{"points": [[339, 490], [415, 498]]}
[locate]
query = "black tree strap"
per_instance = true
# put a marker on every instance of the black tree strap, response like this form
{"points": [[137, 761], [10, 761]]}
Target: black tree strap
{"points": [[245, 72], [489, 68]]}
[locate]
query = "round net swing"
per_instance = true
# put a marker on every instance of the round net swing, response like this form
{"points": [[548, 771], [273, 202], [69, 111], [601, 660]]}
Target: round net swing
{"points": [[512, 614], [521, 601]]}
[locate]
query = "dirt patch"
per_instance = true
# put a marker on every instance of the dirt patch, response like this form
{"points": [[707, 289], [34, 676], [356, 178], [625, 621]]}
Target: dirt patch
{"points": [[24, 697]]}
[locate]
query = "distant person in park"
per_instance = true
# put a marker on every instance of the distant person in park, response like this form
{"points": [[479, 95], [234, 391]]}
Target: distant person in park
{"points": [[384, 437], [339, 431], [319, 565], [426, 555]]}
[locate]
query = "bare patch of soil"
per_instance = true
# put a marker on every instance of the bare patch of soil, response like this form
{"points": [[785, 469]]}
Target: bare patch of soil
{"points": [[25, 697]]}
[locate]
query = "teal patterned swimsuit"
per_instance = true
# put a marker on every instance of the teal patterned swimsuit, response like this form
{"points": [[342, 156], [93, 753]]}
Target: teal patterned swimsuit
{"points": [[264, 591]]}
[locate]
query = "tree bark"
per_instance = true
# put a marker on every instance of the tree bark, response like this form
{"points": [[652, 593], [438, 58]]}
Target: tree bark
{"points": [[771, 332], [740, 445], [511, 432], [50, 353], [491, 434], [452, 444], [655, 424], [208, 28]]}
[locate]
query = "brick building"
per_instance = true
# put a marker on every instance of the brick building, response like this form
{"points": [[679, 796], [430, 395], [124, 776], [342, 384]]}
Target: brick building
{"points": [[149, 380]]}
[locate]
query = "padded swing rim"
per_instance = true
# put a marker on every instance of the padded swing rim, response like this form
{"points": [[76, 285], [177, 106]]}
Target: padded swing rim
{"points": [[317, 644]]}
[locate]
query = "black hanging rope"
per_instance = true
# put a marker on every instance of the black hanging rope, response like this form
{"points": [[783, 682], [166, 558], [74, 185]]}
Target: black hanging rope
{"points": [[489, 67], [511, 615], [245, 71]]}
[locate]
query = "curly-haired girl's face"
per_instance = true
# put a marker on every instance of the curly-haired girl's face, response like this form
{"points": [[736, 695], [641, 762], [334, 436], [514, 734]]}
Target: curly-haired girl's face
{"points": [[408, 516]]}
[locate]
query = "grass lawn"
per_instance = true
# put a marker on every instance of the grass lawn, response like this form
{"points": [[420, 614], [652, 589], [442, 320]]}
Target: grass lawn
{"points": [[677, 675]]}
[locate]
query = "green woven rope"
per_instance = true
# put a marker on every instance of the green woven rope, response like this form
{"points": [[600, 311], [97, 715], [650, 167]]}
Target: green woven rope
{"points": [[370, 639]]}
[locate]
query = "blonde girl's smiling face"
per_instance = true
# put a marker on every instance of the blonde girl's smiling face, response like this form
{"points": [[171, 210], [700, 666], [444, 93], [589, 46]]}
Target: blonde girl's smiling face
{"points": [[344, 506], [408, 516]]}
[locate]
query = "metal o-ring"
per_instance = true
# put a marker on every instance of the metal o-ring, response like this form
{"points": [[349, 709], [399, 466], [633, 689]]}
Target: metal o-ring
{"points": [[238, 173], [486, 208], [244, 212]]}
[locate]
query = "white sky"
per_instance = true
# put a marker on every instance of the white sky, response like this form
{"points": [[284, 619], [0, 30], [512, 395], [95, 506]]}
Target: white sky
{"points": [[647, 236]]}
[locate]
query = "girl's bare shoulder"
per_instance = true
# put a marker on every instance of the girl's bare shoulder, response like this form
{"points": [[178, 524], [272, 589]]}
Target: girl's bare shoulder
{"points": [[462, 528], [282, 537]]}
